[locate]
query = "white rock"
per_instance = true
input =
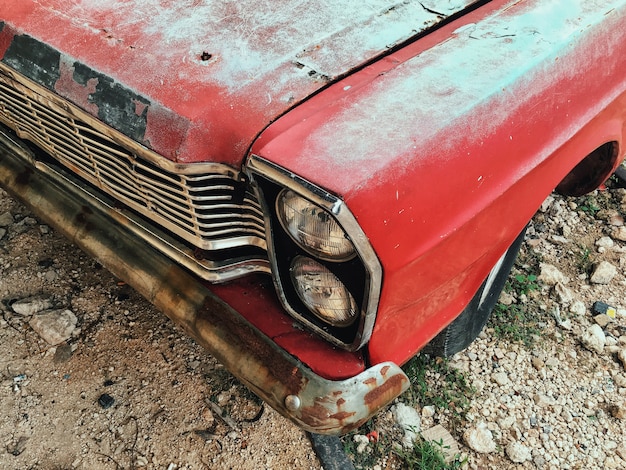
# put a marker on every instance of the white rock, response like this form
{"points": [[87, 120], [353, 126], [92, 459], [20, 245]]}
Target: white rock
{"points": [[594, 339], [31, 305], [54, 326], [578, 308], [428, 411], [551, 275], [603, 273], [564, 294], [501, 378], [605, 242], [409, 419], [362, 443], [543, 400], [518, 452], [480, 439]]}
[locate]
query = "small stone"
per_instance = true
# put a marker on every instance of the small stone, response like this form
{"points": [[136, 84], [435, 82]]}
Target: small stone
{"points": [[603, 273], [3, 232], [605, 242], [501, 378], [428, 411], [537, 363], [440, 435], [507, 423], [480, 439], [543, 400], [594, 339], [106, 401], [615, 219], [578, 308], [602, 320], [564, 294], [362, 442], [62, 354], [619, 234], [518, 452], [409, 420], [552, 362], [621, 355], [621, 450], [551, 275], [6, 219], [31, 305], [54, 326]]}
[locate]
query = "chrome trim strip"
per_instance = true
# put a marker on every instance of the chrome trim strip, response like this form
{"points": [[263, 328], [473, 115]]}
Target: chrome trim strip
{"points": [[207, 204], [283, 177]]}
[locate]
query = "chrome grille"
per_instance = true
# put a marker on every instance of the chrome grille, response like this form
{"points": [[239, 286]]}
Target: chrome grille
{"points": [[208, 205]]}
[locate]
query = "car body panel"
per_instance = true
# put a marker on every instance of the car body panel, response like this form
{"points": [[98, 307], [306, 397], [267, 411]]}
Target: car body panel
{"points": [[453, 135], [198, 80]]}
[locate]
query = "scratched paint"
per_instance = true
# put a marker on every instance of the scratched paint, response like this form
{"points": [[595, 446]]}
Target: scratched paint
{"points": [[406, 109], [221, 70]]}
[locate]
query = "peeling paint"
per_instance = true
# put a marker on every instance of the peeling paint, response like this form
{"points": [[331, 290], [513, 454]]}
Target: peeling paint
{"points": [[79, 93], [237, 63]]}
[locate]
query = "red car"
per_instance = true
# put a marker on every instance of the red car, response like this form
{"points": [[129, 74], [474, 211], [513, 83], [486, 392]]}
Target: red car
{"points": [[314, 191]]}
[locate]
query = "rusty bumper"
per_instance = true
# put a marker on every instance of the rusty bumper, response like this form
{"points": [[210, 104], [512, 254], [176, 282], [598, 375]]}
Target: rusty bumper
{"points": [[316, 404]]}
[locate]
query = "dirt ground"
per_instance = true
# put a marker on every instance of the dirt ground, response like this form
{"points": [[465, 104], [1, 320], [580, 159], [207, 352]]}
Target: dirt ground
{"points": [[128, 389]]}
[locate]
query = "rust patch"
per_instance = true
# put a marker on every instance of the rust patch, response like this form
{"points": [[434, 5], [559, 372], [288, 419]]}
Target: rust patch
{"points": [[342, 415], [24, 177], [79, 94], [315, 415], [240, 332], [371, 382], [384, 371], [387, 391], [340, 402]]}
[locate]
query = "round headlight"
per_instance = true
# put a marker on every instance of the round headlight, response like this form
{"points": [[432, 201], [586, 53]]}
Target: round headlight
{"points": [[322, 292], [314, 229]]}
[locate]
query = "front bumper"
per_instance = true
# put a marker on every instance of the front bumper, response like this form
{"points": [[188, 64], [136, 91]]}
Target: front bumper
{"points": [[316, 404]]}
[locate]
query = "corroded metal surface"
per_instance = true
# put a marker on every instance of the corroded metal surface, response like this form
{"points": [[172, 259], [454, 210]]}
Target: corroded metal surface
{"points": [[315, 403], [208, 205]]}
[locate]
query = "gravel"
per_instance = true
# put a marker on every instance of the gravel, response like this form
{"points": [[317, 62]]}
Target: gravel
{"points": [[559, 403]]}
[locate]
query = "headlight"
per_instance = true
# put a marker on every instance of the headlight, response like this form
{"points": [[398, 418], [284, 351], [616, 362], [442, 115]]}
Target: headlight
{"points": [[322, 292], [314, 229]]}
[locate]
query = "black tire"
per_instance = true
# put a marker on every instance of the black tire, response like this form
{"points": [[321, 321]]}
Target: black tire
{"points": [[467, 326]]}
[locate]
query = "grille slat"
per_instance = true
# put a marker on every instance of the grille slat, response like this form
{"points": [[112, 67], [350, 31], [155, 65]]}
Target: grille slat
{"points": [[204, 204]]}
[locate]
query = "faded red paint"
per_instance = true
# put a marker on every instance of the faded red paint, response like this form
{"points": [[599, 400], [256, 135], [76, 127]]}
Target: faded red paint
{"points": [[6, 38], [251, 295], [434, 147]]}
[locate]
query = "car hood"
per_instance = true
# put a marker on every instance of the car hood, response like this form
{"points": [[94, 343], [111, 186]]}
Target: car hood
{"points": [[198, 80]]}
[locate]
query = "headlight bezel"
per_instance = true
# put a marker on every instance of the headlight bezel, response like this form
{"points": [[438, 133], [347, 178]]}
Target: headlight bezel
{"points": [[269, 179]]}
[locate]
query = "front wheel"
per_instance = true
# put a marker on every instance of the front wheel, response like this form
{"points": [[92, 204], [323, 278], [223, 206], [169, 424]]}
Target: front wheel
{"points": [[467, 326]]}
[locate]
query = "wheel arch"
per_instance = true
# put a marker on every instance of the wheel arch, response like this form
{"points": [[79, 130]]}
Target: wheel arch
{"points": [[591, 171]]}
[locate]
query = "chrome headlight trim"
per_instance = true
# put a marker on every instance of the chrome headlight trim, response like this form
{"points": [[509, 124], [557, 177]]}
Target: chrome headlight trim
{"points": [[258, 166]]}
